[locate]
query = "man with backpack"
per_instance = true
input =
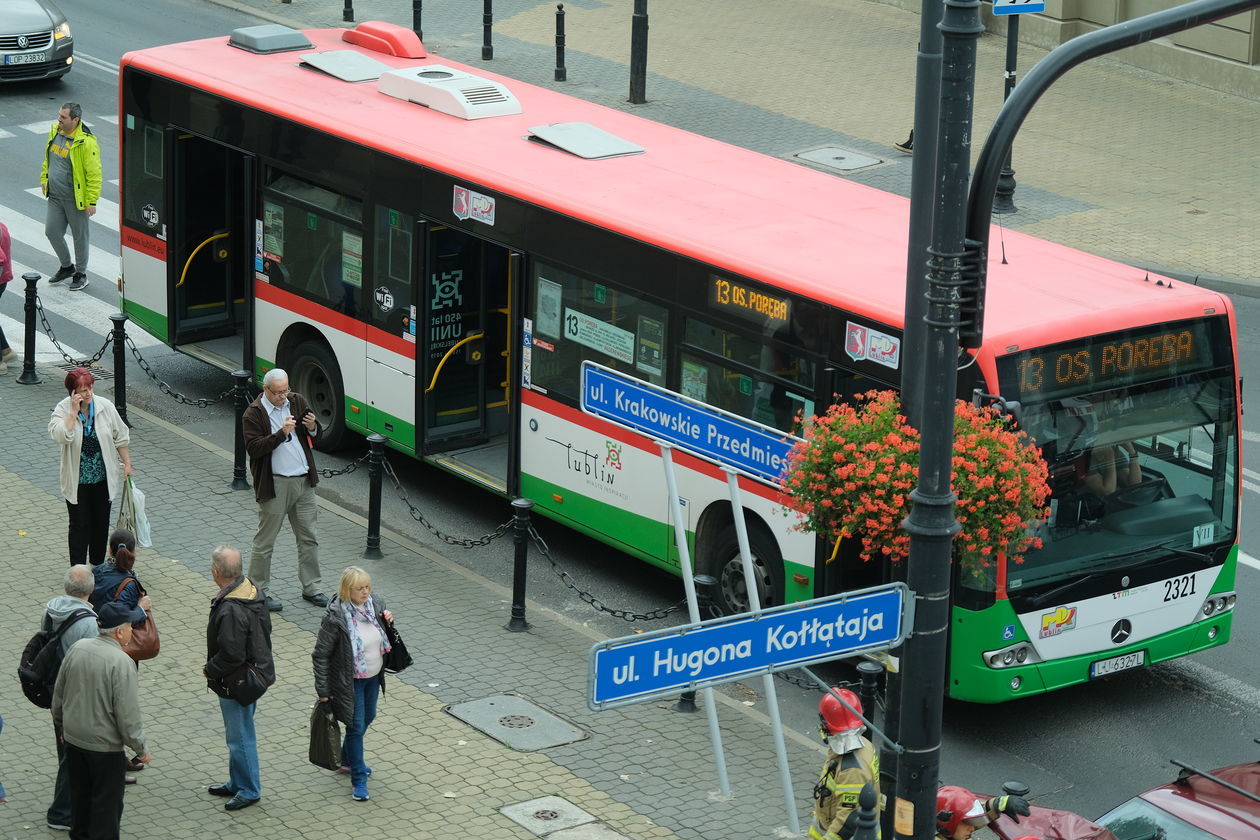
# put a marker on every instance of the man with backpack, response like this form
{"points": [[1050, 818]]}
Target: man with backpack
{"points": [[73, 616]]}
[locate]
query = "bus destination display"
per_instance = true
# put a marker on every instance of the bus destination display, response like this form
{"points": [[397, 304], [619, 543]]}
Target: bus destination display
{"points": [[743, 301], [1106, 361]]}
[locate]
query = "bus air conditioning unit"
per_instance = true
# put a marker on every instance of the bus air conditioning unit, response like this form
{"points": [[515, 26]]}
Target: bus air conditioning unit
{"points": [[450, 91]]}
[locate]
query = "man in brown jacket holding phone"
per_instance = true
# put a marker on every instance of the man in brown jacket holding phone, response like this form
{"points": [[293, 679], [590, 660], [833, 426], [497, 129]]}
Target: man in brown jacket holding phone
{"points": [[280, 429]]}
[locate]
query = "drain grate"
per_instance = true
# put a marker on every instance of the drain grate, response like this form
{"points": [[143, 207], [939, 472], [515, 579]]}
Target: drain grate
{"points": [[545, 815], [516, 722]]}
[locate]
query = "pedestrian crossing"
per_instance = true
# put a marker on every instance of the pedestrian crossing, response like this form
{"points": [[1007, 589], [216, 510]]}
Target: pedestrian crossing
{"points": [[89, 310]]}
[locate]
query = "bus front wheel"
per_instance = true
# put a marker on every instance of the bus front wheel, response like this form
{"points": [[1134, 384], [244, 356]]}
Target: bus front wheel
{"points": [[313, 373], [724, 564]]}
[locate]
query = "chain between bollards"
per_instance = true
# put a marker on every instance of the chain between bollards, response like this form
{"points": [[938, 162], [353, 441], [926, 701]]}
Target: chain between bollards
{"points": [[561, 73], [29, 376], [241, 401], [376, 459], [120, 364], [520, 522]]}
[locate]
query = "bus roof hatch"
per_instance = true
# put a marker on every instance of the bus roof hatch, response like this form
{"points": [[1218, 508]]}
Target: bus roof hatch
{"points": [[451, 91], [268, 38], [347, 65], [584, 140]]}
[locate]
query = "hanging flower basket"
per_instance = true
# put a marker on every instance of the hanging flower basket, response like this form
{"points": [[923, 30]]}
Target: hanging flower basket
{"points": [[853, 473]]}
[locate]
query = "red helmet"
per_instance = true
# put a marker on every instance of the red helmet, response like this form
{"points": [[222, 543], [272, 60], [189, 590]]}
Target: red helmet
{"points": [[835, 717], [955, 805]]}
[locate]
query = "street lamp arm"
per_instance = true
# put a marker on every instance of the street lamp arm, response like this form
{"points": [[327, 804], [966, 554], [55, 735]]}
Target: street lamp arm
{"points": [[1038, 80]]}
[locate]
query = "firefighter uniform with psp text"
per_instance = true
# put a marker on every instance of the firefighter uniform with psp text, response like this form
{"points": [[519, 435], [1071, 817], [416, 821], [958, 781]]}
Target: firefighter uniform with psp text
{"points": [[836, 794]]}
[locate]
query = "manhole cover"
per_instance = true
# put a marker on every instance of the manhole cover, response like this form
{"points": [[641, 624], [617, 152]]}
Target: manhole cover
{"points": [[516, 722], [835, 157], [545, 815]]}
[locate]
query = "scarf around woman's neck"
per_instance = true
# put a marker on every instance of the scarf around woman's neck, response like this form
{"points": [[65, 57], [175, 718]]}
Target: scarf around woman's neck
{"points": [[366, 614]]}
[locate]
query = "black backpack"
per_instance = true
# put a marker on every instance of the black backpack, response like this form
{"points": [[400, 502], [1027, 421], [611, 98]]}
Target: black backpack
{"points": [[41, 660]]}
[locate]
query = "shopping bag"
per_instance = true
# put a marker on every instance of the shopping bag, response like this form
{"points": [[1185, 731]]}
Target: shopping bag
{"points": [[141, 531], [325, 748], [126, 508]]}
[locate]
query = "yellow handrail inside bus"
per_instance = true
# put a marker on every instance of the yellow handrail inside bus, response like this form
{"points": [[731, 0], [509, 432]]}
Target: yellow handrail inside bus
{"points": [[184, 274], [454, 347]]}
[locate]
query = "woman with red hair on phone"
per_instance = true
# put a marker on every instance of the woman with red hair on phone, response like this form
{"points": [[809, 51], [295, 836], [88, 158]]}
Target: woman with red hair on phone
{"points": [[94, 443]]}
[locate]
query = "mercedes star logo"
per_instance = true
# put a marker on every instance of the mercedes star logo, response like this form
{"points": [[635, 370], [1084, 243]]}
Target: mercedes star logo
{"points": [[1121, 631], [22, 42]]}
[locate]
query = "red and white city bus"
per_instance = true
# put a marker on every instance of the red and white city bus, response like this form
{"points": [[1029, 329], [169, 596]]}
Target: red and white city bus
{"points": [[432, 251]]}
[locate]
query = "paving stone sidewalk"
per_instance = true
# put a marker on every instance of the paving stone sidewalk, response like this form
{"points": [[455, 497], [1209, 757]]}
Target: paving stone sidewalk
{"points": [[641, 772], [1143, 168]]}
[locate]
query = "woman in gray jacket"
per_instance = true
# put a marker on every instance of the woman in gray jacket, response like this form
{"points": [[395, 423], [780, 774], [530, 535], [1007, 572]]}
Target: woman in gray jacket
{"points": [[349, 666]]}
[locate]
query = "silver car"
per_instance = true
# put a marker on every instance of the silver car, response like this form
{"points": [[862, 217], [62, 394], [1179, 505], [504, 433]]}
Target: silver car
{"points": [[35, 41]]}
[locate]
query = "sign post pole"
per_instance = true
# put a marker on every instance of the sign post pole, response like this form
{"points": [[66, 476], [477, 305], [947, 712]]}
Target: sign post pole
{"points": [[767, 680], [693, 609]]}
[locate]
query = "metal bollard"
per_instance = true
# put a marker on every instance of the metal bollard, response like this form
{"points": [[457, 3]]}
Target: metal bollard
{"points": [[561, 73], [29, 376], [487, 17], [415, 18], [521, 508], [869, 673], [638, 53], [241, 400], [119, 338], [867, 821], [347, 14], [704, 595], [376, 458]]}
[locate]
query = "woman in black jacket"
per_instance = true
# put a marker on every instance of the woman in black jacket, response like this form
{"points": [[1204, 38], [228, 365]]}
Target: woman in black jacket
{"points": [[349, 665]]}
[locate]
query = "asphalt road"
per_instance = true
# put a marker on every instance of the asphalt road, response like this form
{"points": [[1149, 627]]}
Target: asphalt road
{"points": [[1085, 748]]}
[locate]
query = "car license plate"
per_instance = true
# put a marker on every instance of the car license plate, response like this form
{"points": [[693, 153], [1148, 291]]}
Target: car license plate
{"points": [[1117, 663], [26, 58]]}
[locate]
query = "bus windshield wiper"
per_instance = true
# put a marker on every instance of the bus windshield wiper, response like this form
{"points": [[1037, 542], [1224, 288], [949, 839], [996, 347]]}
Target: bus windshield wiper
{"points": [[1037, 600]]}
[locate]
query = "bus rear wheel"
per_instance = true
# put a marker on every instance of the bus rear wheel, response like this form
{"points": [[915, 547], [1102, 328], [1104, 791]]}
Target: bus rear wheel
{"points": [[313, 373], [723, 563]]}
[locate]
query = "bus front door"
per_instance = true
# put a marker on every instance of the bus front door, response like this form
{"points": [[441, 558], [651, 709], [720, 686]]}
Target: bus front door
{"points": [[210, 250], [463, 339]]}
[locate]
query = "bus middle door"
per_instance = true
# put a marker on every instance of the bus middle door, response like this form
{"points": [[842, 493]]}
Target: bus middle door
{"points": [[463, 339]]}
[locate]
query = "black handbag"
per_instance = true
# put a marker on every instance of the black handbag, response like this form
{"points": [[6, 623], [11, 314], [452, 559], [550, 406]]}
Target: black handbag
{"points": [[325, 750], [396, 658], [246, 685]]}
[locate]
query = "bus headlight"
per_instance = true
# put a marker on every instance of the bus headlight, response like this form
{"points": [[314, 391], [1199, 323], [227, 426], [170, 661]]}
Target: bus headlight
{"points": [[1011, 656], [1219, 603]]}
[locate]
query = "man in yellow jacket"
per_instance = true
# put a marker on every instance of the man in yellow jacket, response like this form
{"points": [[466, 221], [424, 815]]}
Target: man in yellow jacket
{"points": [[71, 178]]}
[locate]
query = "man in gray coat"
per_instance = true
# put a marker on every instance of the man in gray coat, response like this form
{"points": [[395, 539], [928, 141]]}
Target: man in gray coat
{"points": [[79, 583], [96, 704]]}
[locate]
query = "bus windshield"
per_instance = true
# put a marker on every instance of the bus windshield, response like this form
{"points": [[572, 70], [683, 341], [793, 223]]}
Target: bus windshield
{"points": [[1140, 473]]}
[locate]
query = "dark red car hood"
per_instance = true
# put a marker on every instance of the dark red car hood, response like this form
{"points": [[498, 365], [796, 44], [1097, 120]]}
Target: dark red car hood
{"points": [[1050, 824]]}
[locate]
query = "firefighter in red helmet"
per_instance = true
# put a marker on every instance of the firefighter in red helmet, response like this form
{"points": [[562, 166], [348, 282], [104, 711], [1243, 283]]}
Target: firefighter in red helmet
{"points": [[959, 812], [851, 764]]}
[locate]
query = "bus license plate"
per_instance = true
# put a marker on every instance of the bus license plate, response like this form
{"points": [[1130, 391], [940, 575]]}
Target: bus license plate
{"points": [[26, 58], [1117, 663]]}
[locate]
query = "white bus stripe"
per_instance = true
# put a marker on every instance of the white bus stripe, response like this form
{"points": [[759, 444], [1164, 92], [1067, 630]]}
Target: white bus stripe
{"points": [[30, 232], [106, 211]]}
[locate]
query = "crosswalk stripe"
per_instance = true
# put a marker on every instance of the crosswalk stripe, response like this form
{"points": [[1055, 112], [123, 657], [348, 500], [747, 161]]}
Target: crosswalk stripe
{"points": [[109, 118], [38, 128], [106, 210], [5, 135], [86, 310], [26, 230], [45, 350]]}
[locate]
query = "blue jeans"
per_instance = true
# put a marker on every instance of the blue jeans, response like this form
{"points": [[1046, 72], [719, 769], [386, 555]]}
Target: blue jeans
{"points": [[238, 725], [366, 693]]}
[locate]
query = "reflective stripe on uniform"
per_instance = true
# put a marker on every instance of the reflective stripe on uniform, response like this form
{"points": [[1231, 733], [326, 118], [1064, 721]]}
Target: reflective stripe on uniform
{"points": [[817, 832]]}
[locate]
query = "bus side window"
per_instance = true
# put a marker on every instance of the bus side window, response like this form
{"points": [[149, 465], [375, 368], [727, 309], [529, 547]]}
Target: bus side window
{"points": [[577, 318]]}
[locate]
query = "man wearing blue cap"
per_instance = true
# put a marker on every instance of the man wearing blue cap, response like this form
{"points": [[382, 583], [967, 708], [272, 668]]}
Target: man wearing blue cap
{"points": [[96, 707]]}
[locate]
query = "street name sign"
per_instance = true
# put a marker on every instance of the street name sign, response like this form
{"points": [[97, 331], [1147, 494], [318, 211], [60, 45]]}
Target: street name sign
{"points": [[1018, 7], [758, 451], [637, 668]]}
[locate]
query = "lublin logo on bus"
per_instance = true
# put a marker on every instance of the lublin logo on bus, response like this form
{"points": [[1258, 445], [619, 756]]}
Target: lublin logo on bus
{"points": [[599, 468]]}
